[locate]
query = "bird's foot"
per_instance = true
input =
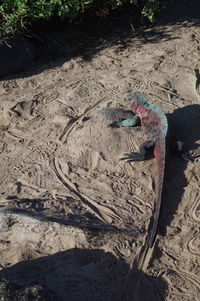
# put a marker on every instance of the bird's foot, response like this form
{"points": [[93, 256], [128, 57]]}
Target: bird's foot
{"points": [[130, 157]]}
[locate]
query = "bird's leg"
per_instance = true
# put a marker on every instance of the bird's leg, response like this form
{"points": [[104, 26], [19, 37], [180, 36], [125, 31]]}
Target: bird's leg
{"points": [[180, 151], [141, 155]]}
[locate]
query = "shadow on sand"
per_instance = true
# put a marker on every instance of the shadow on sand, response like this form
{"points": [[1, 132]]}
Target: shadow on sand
{"points": [[54, 48], [184, 126], [78, 274], [94, 274]]}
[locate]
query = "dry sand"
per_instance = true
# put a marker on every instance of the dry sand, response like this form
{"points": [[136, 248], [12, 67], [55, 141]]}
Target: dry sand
{"points": [[72, 216]]}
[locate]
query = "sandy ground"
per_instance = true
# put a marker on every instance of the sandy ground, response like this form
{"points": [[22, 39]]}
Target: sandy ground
{"points": [[73, 217]]}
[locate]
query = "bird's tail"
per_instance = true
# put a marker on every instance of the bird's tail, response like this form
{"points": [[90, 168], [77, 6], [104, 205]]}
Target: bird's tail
{"points": [[142, 260], [159, 152]]}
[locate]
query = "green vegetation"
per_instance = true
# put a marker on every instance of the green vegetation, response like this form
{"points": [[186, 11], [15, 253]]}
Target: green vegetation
{"points": [[17, 16]]}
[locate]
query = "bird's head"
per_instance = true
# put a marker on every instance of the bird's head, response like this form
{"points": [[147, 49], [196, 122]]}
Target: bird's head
{"points": [[136, 100]]}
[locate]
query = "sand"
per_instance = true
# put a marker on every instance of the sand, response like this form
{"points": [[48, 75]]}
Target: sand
{"points": [[74, 217]]}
